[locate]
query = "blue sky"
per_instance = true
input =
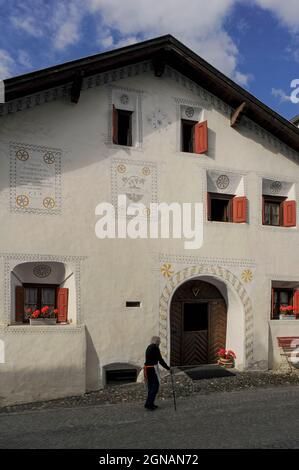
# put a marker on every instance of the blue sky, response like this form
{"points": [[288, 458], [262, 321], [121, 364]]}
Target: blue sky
{"points": [[254, 42]]}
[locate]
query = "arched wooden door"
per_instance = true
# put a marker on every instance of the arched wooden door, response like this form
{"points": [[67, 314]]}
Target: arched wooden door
{"points": [[198, 317]]}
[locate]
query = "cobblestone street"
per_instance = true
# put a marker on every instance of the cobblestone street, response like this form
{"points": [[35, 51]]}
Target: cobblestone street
{"points": [[256, 418]]}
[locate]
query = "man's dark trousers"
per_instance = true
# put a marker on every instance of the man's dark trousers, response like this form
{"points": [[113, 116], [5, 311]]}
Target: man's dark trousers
{"points": [[152, 386]]}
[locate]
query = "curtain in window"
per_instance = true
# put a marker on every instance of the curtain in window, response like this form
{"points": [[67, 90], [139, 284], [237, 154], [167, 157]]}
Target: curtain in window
{"points": [[30, 300], [48, 297]]}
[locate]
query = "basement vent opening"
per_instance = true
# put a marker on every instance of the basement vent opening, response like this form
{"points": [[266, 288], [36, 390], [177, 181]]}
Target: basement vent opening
{"points": [[120, 376], [133, 303]]}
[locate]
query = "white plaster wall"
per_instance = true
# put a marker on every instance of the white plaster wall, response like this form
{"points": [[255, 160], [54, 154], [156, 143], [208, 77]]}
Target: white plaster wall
{"points": [[118, 270], [43, 363]]}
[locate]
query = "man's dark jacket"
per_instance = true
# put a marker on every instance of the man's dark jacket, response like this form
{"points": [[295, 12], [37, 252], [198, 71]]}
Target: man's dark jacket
{"points": [[153, 356]]}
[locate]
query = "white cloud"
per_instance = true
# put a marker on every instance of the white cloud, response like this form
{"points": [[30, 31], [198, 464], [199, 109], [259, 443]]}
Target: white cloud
{"points": [[287, 11], [197, 23], [281, 94], [6, 64], [27, 24], [24, 59]]}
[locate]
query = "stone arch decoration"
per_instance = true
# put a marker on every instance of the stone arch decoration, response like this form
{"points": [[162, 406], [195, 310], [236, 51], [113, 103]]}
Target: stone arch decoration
{"points": [[193, 271]]}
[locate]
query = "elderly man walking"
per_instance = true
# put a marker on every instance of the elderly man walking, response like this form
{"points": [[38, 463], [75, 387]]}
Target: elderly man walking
{"points": [[151, 371]]}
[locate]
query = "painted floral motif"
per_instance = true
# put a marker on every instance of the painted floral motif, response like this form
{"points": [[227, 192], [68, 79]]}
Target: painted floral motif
{"points": [[42, 270], [124, 99], [275, 187], [166, 270], [121, 168], [158, 119], [247, 275], [222, 182], [49, 203], [49, 158], [189, 112], [146, 171], [22, 155], [22, 200]]}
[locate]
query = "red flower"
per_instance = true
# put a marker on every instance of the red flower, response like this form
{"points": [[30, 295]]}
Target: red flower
{"points": [[28, 310], [56, 311], [45, 309], [36, 313]]}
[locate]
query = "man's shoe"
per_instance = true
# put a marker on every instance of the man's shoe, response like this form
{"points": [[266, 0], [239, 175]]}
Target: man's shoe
{"points": [[150, 407]]}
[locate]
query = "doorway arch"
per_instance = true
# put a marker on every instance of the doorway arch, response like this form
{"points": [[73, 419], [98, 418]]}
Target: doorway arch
{"points": [[198, 320], [236, 291]]}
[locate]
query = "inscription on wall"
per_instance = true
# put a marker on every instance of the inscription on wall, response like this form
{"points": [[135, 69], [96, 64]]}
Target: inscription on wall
{"points": [[35, 179]]}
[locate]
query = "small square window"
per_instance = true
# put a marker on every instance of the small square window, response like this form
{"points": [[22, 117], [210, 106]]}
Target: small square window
{"points": [[273, 210], [220, 207], [133, 303]]}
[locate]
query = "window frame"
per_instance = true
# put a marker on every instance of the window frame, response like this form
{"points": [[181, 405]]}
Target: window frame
{"points": [[218, 196], [291, 293], [39, 286], [128, 113], [276, 200], [191, 124]]}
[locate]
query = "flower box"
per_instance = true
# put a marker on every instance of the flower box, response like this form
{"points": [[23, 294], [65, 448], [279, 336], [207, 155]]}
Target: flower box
{"points": [[227, 363], [43, 321], [287, 317]]}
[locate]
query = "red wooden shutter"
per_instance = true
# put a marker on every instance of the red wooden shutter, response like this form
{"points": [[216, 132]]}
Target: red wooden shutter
{"points": [[296, 301], [20, 294], [208, 206], [114, 125], [201, 137], [289, 213], [62, 295], [239, 209]]}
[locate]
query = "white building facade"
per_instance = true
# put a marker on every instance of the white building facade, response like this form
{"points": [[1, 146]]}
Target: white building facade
{"points": [[141, 123]]}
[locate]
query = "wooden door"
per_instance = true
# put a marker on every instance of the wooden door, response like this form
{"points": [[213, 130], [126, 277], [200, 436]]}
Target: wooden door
{"points": [[195, 325], [217, 328]]}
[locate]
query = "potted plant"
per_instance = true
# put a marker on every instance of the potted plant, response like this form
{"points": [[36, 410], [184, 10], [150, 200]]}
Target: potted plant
{"points": [[226, 358], [287, 313], [45, 316]]}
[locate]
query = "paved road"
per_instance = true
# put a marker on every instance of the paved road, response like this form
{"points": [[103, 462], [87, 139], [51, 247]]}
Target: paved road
{"points": [[267, 418]]}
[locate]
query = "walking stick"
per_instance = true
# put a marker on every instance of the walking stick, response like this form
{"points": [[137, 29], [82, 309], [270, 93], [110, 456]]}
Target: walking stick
{"points": [[173, 389]]}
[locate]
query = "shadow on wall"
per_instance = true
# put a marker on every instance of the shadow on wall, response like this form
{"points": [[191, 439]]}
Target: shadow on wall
{"points": [[33, 384], [92, 364]]}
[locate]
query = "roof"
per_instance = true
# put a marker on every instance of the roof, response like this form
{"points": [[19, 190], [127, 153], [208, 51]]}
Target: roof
{"points": [[162, 50], [295, 120]]}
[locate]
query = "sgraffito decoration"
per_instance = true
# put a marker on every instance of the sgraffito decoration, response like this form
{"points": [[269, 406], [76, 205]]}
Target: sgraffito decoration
{"points": [[35, 179], [136, 180]]}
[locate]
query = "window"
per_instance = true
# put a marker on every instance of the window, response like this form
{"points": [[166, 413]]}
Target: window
{"points": [[37, 296], [133, 303], [227, 208], [194, 136], [187, 135], [285, 296], [196, 316], [278, 211], [122, 127]]}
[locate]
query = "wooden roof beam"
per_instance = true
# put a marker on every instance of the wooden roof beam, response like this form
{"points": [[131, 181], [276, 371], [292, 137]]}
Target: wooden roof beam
{"points": [[76, 86], [237, 114]]}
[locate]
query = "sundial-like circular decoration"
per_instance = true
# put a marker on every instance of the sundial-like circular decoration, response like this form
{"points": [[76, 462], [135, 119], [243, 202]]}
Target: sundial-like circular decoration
{"points": [[42, 270], [146, 171], [124, 99], [22, 200], [49, 158], [166, 270], [189, 112], [49, 203], [275, 187], [222, 182], [247, 275], [121, 168], [22, 155]]}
